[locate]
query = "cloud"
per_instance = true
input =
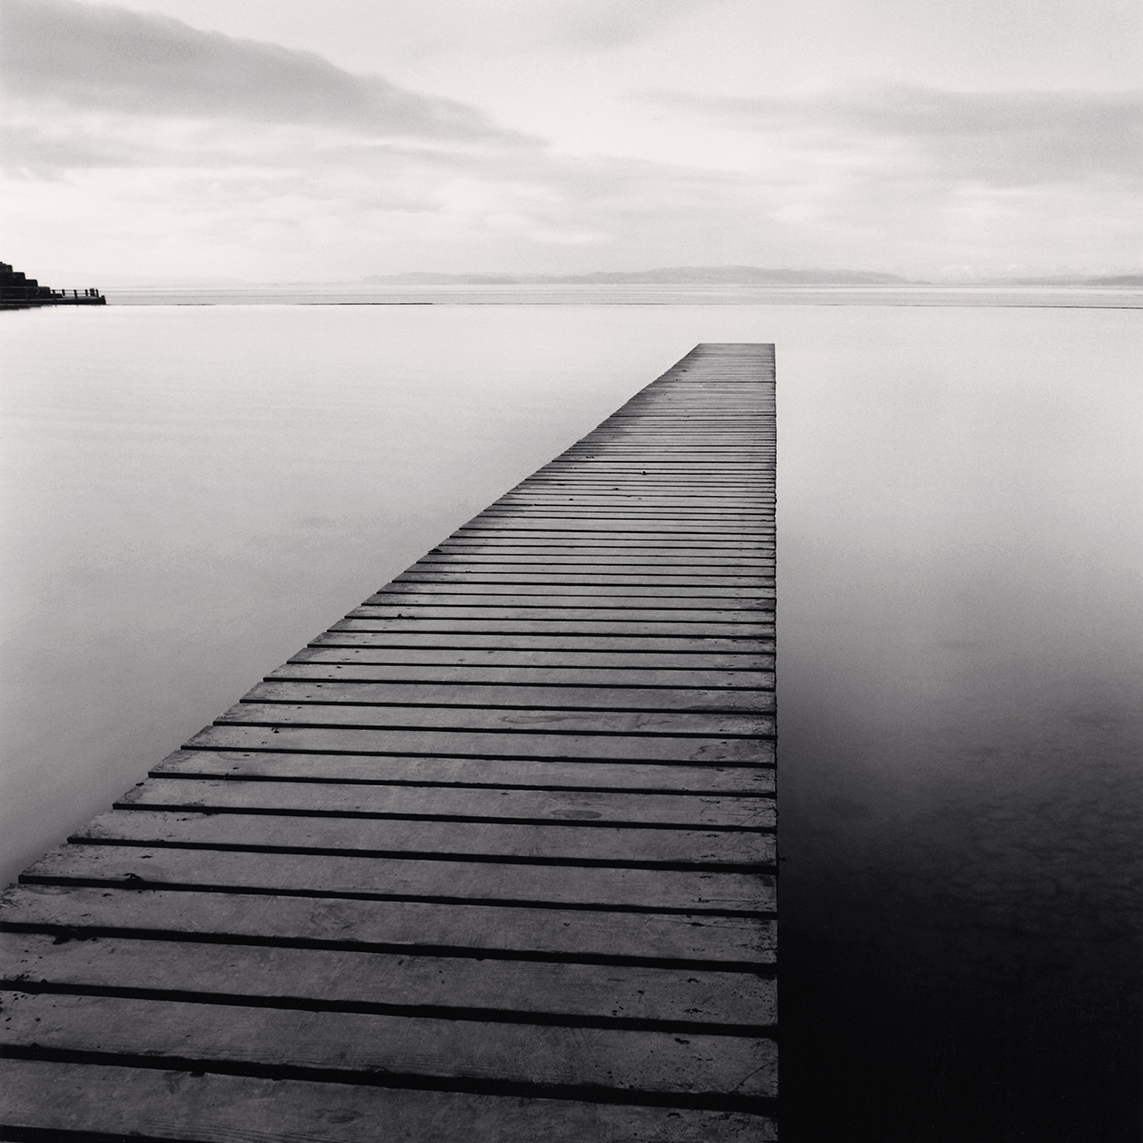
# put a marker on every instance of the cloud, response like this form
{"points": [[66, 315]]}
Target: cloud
{"points": [[594, 24], [1002, 139], [162, 149], [111, 59], [28, 150]]}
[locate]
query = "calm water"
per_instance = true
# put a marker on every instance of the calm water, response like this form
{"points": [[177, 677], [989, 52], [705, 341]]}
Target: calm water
{"points": [[190, 493], [627, 294]]}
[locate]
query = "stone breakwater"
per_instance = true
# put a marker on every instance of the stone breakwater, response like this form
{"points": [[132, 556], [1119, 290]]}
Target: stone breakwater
{"points": [[18, 291]]}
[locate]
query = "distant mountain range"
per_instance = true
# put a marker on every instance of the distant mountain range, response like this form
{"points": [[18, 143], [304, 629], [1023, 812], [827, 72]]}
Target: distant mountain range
{"points": [[1130, 281], [695, 276], [738, 276], [669, 276]]}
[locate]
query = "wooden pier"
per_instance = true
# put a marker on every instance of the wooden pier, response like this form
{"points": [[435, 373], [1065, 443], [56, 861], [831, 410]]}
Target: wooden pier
{"points": [[491, 860]]}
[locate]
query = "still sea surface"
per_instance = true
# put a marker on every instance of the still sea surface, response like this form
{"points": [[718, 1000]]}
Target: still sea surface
{"points": [[190, 491]]}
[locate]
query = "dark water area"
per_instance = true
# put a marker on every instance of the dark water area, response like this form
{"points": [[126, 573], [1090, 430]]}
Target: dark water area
{"points": [[190, 493], [961, 746]]}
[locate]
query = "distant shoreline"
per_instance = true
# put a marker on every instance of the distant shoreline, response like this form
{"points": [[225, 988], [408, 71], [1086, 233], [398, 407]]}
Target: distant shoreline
{"points": [[625, 294]]}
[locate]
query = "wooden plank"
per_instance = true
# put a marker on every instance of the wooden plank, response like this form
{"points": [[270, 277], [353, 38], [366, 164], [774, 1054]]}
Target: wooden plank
{"points": [[559, 721], [500, 774], [692, 940], [759, 541], [698, 665], [762, 541], [464, 743], [714, 498], [597, 517], [601, 471], [588, 807], [749, 431], [538, 495], [729, 460], [677, 699], [529, 641], [627, 565], [468, 597], [607, 459], [759, 585], [570, 993], [658, 453], [695, 484], [634, 526], [689, 614], [522, 546], [746, 516], [492, 610], [618, 625], [534, 1057], [629, 502], [756, 549], [634, 484], [212, 1108], [573, 843], [617, 527], [679, 433], [556, 568], [572, 592], [672, 518], [416, 879], [316, 667]]}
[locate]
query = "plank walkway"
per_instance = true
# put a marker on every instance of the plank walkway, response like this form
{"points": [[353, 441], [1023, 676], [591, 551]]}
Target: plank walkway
{"points": [[491, 860]]}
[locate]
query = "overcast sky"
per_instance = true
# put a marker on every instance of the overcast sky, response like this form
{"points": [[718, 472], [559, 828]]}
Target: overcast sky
{"points": [[290, 139]]}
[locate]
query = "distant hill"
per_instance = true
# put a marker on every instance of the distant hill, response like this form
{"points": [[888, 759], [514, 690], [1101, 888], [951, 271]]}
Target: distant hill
{"points": [[668, 276], [740, 276], [1134, 281], [1122, 281], [417, 278]]}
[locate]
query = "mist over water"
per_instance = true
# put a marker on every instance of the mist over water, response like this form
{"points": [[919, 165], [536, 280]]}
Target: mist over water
{"points": [[190, 494]]}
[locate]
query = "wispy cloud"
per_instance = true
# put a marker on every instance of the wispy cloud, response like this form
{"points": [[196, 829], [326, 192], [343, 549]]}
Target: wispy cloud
{"points": [[1005, 139], [111, 59], [595, 24]]}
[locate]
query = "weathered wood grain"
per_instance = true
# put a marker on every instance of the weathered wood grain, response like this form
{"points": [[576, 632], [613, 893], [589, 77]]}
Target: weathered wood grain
{"points": [[599, 807], [571, 591], [703, 665], [416, 879], [539, 696], [485, 744], [561, 720], [759, 584], [528, 668], [617, 625], [212, 1108], [72, 912], [597, 606], [473, 773], [495, 611], [328, 828], [533, 1056], [568, 993], [530, 641]]}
